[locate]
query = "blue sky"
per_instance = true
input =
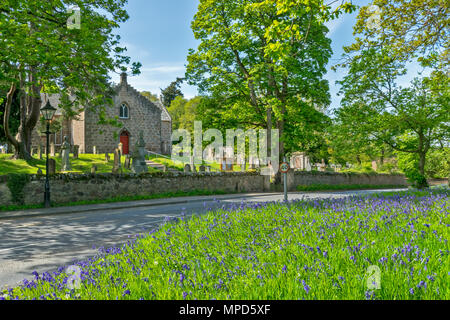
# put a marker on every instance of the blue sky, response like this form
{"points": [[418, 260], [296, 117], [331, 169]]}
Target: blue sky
{"points": [[158, 35]]}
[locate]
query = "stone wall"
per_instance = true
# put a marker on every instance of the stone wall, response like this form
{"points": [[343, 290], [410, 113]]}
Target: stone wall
{"points": [[71, 187], [79, 187], [296, 178]]}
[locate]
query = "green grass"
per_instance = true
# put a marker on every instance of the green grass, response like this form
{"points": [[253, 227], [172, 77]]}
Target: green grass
{"points": [[275, 251], [120, 199], [335, 187], [81, 165]]}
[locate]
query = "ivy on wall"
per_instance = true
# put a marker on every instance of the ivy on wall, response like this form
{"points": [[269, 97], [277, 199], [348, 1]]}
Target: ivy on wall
{"points": [[16, 183]]}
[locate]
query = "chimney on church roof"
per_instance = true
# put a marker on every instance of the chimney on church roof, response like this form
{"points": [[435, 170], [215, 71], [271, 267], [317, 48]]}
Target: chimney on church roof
{"points": [[123, 78]]}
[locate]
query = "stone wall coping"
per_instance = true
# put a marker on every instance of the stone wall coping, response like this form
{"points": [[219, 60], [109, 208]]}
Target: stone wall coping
{"points": [[329, 173], [111, 176]]}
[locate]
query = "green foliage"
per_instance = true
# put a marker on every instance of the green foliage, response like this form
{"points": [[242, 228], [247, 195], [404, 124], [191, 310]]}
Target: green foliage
{"points": [[40, 53], [411, 28], [416, 179], [184, 112], [16, 182], [261, 64], [407, 120], [150, 96], [438, 163]]}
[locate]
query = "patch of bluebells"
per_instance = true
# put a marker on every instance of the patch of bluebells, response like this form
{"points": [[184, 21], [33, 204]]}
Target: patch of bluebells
{"points": [[205, 258]]}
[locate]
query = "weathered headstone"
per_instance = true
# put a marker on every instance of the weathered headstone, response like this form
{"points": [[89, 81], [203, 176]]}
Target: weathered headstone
{"points": [[202, 168], [127, 163], [65, 153], [120, 146], [139, 165], [51, 166], [374, 166], [187, 168], [94, 169], [52, 149], [40, 150], [76, 151], [94, 150], [116, 165], [192, 164], [208, 168]]}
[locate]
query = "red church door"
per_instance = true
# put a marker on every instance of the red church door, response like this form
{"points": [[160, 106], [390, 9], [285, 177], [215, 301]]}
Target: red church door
{"points": [[125, 140]]}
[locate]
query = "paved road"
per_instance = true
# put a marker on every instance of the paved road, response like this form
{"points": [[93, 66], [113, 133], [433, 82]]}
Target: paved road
{"points": [[45, 243]]}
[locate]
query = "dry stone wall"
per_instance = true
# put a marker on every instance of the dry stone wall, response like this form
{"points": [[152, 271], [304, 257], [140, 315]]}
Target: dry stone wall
{"points": [[80, 187]]}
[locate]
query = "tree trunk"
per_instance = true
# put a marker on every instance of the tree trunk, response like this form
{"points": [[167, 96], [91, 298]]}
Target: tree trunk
{"points": [[29, 115], [422, 156]]}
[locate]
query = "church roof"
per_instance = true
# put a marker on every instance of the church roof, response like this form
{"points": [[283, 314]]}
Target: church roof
{"points": [[165, 116]]}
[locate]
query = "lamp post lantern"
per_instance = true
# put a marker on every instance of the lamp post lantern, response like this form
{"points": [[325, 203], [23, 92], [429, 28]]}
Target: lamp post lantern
{"points": [[47, 112]]}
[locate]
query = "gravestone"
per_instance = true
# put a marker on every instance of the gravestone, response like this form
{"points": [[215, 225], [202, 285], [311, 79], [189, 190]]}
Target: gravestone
{"points": [[127, 163], [208, 168], [52, 149], [187, 168], [120, 146], [51, 166], [40, 149], [374, 166], [76, 151], [202, 168], [65, 153], [94, 150], [138, 164], [39, 172], [193, 168], [94, 169], [116, 165]]}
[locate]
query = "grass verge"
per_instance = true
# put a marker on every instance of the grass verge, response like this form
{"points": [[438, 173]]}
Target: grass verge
{"points": [[340, 187]]}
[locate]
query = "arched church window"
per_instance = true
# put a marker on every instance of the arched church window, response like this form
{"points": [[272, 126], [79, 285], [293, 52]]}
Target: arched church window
{"points": [[124, 111]]}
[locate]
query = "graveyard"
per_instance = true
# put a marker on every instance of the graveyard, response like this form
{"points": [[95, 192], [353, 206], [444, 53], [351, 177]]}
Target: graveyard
{"points": [[239, 151], [83, 164]]}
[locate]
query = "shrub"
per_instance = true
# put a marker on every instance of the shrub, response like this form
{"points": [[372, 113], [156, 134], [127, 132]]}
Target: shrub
{"points": [[16, 182], [416, 179]]}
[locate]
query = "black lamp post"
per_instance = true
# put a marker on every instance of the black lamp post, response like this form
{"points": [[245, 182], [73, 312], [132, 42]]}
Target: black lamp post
{"points": [[47, 112]]}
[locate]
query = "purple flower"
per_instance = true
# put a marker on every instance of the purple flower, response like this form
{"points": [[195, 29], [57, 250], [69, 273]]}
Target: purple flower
{"points": [[306, 287], [284, 269], [422, 284], [126, 292], [411, 291]]}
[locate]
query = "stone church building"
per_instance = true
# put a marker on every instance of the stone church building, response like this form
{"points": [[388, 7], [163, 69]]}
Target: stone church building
{"points": [[135, 112]]}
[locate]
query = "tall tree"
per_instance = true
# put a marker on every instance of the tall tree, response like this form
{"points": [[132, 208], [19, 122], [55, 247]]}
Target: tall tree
{"points": [[263, 61], [410, 120], [40, 52], [171, 92], [418, 28]]}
